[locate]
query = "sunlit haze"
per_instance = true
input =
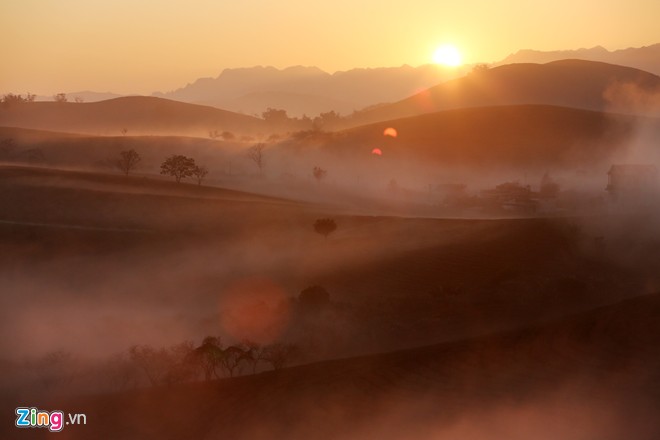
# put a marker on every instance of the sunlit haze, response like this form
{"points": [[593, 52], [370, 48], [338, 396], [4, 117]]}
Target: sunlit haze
{"points": [[139, 46], [447, 55]]}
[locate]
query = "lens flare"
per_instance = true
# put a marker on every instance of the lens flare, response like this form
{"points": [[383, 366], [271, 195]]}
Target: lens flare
{"points": [[377, 152], [390, 131], [254, 309]]}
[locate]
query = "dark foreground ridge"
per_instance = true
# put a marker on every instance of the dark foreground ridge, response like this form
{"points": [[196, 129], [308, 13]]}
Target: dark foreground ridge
{"points": [[551, 379]]}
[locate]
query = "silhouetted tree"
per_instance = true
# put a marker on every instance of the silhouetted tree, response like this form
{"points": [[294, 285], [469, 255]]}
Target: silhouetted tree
{"points": [[124, 131], [10, 99], [228, 136], [319, 173], [200, 173], [209, 355], [178, 166], [256, 155], [253, 353], [325, 226], [127, 161], [275, 116], [121, 372], [150, 361], [231, 359], [480, 68], [279, 355], [214, 134], [79, 99], [327, 121], [60, 97], [164, 366]]}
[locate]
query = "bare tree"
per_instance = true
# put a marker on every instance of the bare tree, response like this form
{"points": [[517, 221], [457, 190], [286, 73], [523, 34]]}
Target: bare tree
{"points": [[79, 99], [279, 355], [319, 173], [325, 226], [253, 353], [256, 155], [231, 359], [124, 131], [60, 97], [163, 366], [208, 355], [127, 161], [178, 166], [200, 173], [150, 361]]}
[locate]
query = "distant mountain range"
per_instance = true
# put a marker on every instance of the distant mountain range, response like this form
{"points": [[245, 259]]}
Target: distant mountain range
{"points": [[310, 90], [579, 84], [644, 58]]}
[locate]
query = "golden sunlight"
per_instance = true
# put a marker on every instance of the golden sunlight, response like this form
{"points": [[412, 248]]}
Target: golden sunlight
{"points": [[447, 55]]}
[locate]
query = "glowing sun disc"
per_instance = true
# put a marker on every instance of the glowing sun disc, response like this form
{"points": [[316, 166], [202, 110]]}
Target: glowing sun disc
{"points": [[377, 152], [447, 55]]}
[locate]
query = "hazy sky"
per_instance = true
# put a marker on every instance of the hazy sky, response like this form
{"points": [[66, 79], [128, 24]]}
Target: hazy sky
{"points": [[140, 46]]}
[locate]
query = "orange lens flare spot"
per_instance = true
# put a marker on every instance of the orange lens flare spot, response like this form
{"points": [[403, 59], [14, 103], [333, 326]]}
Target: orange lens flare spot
{"points": [[377, 152], [254, 309], [389, 131]]}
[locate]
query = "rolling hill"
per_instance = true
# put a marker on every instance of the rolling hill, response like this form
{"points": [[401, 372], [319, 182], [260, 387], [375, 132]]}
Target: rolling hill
{"points": [[83, 151], [644, 58], [590, 375], [137, 114], [567, 83], [527, 136]]}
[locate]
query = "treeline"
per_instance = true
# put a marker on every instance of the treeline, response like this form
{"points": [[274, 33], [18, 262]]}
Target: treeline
{"points": [[210, 360]]}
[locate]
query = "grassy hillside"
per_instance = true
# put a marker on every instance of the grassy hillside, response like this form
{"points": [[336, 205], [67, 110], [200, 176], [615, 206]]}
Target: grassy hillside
{"points": [[523, 136], [139, 115], [81, 151], [591, 375], [532, 319], [567, 83], [393, 281]]}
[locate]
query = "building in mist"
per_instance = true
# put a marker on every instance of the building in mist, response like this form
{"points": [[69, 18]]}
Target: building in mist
{"points": [[631, 181], [511, 197]]}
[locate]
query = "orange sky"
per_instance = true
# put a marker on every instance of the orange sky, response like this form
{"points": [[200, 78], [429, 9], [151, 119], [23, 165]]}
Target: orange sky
{"points": [[140, 46]]}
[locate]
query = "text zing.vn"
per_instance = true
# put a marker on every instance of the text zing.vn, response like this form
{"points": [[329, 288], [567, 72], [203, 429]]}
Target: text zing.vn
{"points": [[53, 420]]}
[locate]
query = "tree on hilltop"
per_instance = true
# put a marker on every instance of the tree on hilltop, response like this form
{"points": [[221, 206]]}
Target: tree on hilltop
{"points": [[178, 166], [128, 161], [325, 226]]}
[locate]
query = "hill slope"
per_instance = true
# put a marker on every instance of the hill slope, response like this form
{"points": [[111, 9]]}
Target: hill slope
{"points": [[644, 58], [586, 376], [568, 83], [136, 114], [533, 136]]}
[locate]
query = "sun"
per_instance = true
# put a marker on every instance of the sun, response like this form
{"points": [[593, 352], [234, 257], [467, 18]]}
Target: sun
{"points": [[447, 55]]}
